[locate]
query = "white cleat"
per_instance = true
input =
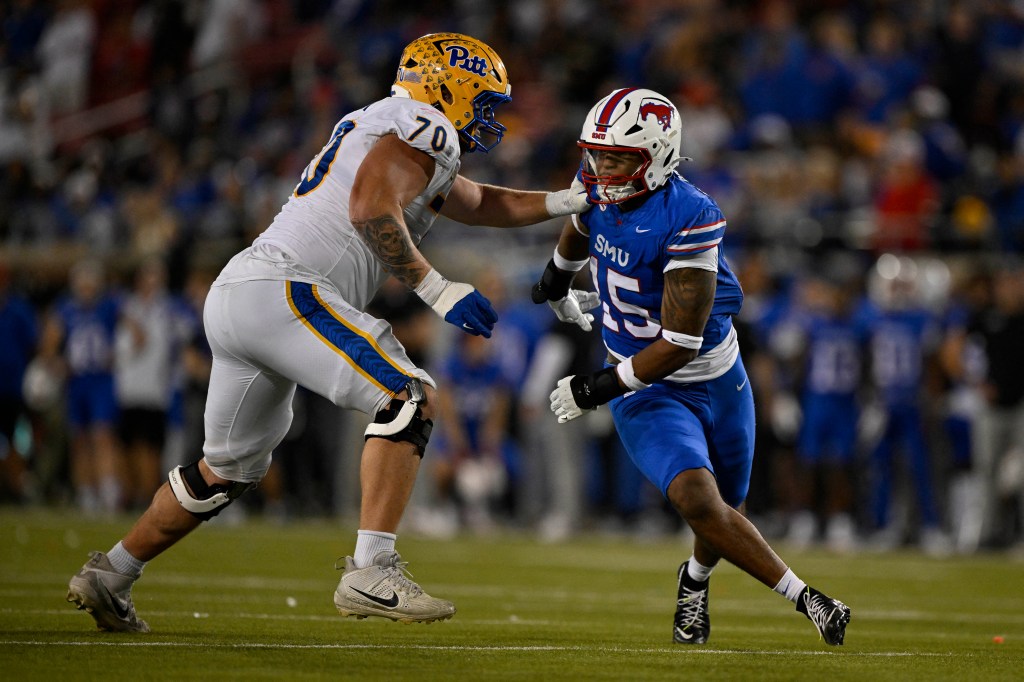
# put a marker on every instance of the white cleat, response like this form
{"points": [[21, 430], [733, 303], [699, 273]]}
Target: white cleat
{"points": [[106, 595], [384, 589]]}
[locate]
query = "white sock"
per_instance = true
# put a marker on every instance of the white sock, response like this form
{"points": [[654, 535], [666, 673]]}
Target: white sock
{"points": [[697, 570], [790, 586], [124, 563], [370, 543]]}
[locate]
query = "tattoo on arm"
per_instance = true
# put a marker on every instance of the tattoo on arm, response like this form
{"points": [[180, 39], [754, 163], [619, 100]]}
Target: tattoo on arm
{"points": [[389, 240], [689, 295]]}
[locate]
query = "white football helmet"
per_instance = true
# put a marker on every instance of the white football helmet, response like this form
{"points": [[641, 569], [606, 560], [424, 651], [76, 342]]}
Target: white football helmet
{"points": [[631, 120], [894, 282]]}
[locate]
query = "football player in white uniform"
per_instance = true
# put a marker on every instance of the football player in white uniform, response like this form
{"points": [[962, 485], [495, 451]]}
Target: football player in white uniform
{"points": [[288, 310]]}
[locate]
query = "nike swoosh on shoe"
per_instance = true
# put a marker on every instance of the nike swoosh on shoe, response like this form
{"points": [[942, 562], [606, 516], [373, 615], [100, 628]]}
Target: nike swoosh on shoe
{"points": [[390, 603], [684, 635], [120, 608]]}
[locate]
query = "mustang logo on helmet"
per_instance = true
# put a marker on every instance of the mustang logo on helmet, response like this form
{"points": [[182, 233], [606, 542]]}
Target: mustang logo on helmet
{"points": [[662, 113], [630, 121], [459, 56]]}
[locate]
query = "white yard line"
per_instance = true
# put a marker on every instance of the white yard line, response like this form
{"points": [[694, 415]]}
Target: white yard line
{"points": [[579, 605], [437, 647], [511, 620]]}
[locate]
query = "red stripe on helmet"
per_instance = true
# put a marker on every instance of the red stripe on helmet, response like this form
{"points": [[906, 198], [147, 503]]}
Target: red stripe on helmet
{"points": [[604, 119]]}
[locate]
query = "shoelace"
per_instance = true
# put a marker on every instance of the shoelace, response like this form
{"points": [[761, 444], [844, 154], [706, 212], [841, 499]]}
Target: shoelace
{"points": [[692, 605], [400, 576], [818, 610]]}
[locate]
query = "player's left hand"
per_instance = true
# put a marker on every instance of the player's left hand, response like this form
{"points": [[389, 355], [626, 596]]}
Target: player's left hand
{"points": [[568, 201], [581, 393], [562, 402], [458, 303], [573, 308], [472, 313]]}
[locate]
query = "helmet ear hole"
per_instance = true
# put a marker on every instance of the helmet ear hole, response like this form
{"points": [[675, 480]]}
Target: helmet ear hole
{"points": [[446, 94]]}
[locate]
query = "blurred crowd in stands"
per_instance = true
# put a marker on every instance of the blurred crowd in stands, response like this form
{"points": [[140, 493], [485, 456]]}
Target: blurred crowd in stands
{"points": [[869, 156]]}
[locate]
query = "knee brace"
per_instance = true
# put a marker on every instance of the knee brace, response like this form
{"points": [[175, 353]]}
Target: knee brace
{"points": [[403, 420], [203, 501]]}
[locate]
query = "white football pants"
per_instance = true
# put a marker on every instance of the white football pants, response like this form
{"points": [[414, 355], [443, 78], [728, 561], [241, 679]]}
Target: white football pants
{"points": [[267, 336]]}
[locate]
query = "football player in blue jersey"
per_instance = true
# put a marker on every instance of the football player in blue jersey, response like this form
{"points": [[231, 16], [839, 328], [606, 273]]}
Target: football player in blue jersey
{"points": [[674, 380], [78, 338], [904, 337], [835, 333]]}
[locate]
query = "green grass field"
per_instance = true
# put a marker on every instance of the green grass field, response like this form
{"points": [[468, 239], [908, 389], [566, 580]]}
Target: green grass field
{"points": [[254, 602]]}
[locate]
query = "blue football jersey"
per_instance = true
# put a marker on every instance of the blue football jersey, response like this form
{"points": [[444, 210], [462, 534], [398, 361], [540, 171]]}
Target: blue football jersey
{"points": [[18, 336], [900, 341], [629, 253], [89, 335], [834, 353]]}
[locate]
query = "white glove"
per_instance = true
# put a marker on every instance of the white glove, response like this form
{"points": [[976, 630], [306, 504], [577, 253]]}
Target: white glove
{"points": [[567, 201], [563, 404], [573, 308]]}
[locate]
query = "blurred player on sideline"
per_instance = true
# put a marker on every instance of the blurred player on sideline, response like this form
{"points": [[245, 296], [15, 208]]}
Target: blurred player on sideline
{"points": [[289, 310], [675, 382], [77, 342]]}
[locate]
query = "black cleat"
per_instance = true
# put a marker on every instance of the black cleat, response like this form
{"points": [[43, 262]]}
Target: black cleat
{"points": [[693, 621], [830, 616]]}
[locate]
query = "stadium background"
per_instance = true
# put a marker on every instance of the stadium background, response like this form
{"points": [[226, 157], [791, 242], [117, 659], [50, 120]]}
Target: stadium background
{"points": [[833, 134]]}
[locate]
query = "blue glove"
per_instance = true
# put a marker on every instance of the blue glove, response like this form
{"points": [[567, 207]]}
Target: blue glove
{"points": [[472, 313], [459, 304]]}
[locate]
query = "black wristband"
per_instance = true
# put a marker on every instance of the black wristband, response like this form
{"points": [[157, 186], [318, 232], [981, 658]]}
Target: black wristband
{"points": [[591, 390], [553, 285]]}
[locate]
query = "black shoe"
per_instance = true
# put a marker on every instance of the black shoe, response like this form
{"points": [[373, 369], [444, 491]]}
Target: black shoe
{"points": [[829, 615], [692, 622]]}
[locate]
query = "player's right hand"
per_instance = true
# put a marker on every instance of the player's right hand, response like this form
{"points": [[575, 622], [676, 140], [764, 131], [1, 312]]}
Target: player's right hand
{"points": [[467, 309], [573, 308]]}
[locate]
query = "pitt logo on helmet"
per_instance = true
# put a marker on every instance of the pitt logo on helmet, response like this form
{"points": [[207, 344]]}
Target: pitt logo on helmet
{"points": [[459, 56], [662, 113], [462, 78]]}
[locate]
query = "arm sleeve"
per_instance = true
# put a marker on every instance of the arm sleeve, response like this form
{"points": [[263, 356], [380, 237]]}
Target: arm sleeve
{"points": [[580, 225], [704, 233], [703, 260]]}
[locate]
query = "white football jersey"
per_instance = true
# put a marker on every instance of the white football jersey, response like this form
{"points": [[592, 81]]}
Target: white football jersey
{"points": [[312, 240]]}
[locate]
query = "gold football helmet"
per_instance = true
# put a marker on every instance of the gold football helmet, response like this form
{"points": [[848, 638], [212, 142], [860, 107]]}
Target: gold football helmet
{"points": [[461, 77]]}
